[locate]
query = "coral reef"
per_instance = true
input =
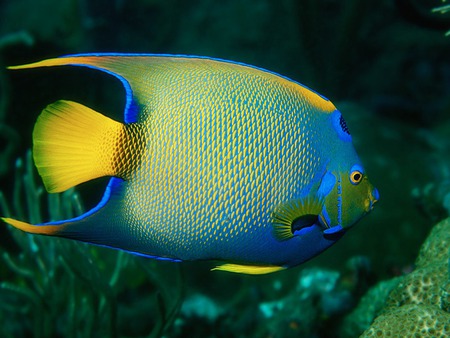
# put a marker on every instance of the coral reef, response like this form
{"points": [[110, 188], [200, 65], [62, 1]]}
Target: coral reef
{"points": [[419, 305], [411, 320], [368, 308]]}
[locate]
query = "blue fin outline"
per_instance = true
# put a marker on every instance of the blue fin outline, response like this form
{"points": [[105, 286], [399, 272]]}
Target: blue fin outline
{"points": [[131, 109], [113, 185]]}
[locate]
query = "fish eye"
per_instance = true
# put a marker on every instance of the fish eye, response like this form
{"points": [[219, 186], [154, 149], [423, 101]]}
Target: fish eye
{"points": [[356, 177]]}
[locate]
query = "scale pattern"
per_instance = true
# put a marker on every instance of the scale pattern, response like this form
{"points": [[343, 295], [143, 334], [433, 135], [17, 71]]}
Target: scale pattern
{"points": [[226, 145], [209, 152]]}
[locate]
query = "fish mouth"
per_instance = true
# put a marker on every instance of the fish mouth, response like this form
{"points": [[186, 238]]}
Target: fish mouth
{"points": [[374, 196]]}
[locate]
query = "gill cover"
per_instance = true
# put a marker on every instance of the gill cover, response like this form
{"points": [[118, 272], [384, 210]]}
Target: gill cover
{"points": [[352, 190]]}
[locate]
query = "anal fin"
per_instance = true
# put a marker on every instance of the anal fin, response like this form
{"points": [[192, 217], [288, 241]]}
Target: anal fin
{"points": [[33, 229], [248, 269]]}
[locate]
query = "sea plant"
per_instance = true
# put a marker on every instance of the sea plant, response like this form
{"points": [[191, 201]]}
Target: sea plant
{"points": [[442, 9], [55, 287]]}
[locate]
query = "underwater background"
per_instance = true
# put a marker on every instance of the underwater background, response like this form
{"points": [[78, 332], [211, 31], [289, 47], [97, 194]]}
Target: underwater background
{"points": [[384, 64]]}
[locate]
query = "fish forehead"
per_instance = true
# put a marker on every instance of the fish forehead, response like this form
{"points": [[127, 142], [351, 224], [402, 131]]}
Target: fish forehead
{"points": [[223, 150]]}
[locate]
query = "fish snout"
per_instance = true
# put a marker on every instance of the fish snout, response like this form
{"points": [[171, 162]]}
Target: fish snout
{"points": [[373, 198]]}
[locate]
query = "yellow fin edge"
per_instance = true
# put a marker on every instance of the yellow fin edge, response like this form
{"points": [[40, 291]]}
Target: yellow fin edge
{"points": [[248, 269], [63, 61], [34, 229]]}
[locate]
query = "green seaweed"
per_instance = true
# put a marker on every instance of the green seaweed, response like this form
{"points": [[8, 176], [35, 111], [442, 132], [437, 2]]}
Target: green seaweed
{"points": [[57, 287], [442, 9], [8, 134]]}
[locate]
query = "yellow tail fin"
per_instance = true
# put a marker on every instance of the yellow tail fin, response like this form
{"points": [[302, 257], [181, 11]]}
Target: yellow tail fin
{"points": [[73, 144]]}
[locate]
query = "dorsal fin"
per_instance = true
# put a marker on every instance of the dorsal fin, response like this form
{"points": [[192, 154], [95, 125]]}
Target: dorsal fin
{"points": [[127, 69], [133, 70]]}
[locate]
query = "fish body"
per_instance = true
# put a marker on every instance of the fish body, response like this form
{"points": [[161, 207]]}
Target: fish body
{"points": [[214, 160]]}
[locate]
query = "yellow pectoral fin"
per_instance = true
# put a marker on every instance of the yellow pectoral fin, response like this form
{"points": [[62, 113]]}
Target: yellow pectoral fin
{"points": [[249, 269], [34, 229], [294, 215]]}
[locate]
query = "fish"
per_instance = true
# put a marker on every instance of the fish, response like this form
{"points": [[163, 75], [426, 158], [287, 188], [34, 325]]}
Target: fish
{"points": [[214, 160]]}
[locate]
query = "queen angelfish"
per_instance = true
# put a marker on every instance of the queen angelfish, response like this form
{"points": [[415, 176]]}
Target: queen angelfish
{"points": [[215, 160]]}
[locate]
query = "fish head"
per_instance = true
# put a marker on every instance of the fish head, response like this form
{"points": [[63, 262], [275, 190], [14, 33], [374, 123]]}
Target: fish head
{"points": [[350, 196]]}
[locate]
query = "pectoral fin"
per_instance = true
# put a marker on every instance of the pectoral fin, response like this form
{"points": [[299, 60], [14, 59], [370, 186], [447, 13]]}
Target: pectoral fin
{"points": [[295, 217]]}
